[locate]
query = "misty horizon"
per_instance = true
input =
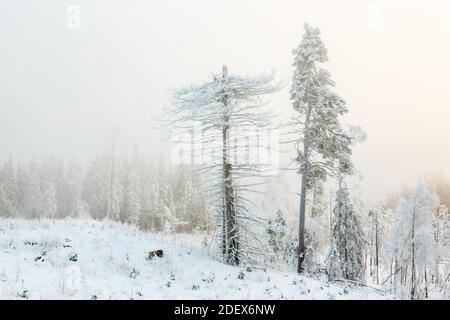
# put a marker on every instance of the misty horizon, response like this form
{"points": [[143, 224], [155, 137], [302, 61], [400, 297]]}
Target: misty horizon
{"points": [[64, 91]]}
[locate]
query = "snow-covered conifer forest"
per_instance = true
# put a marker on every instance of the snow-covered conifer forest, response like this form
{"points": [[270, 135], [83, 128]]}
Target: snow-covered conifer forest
{"points": [[250, 184]]}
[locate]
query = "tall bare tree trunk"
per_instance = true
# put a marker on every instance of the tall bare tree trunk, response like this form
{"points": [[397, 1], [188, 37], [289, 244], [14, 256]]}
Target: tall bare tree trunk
{"points": [[377, 243], [111, 180], [413, 259], [301, 227], [436, 275], [395, 279], [230, 247], [225, 207], [390, 275], [301, 230], [371, 244], [331, 217]]}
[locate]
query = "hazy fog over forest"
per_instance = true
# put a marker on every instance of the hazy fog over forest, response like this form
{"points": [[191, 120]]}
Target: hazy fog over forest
{"points": [[64, 90]]}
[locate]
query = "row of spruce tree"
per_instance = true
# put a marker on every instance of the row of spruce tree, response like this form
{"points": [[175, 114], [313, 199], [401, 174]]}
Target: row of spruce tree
{"points": [[132, 190], [401, 245]]}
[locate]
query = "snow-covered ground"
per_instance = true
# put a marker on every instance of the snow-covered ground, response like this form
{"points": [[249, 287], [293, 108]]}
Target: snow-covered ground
{"points": [[73, 259]]}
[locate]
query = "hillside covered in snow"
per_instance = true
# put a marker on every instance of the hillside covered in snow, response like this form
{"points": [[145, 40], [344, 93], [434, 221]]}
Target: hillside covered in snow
{"points": [[74, 259]]}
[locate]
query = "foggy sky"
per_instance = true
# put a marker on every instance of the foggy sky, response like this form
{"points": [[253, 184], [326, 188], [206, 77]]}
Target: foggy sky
{"points": [[63, 91]]}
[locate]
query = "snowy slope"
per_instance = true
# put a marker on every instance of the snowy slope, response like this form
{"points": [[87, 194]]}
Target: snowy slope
{"points": [[75, 259]]}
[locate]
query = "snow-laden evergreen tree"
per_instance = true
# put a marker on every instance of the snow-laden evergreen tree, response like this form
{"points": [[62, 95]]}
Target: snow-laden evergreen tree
{"points": [[47, 203], [21, 181], [95, 190], [317, 233], [147, 183], [348, 242], [171, 222], [163, 206], [54, 172], [76, 206], [334, 263], [318, 203], [143, 193], [276, 230], [311, 262], [413, 244], [32, 197], [7, 208], [225, 107], [102, 190], [322, 146], [188, 199], [130, 206], [8, 190]]}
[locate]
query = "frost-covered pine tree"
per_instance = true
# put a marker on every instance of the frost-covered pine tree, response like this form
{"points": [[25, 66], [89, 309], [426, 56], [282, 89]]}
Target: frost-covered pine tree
{"points": [[322, 146], [348, 244], [225, 107]]}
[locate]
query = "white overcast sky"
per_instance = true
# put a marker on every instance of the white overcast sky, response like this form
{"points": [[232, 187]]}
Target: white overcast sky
{"points": [[62, 91]]}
